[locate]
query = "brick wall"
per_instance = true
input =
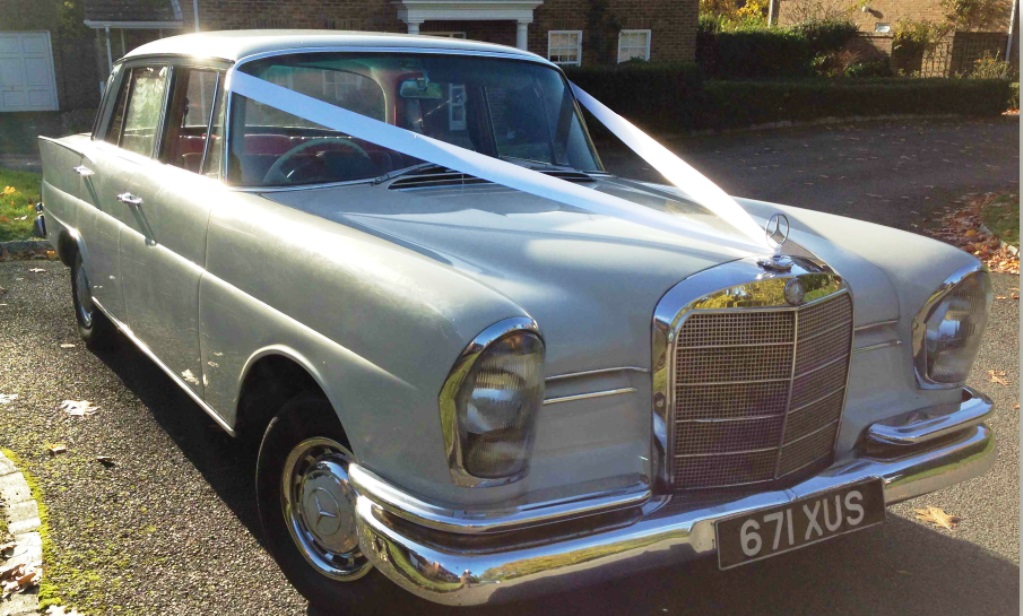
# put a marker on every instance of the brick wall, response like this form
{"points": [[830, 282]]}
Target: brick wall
{"points": [[74, 69], [375, 15], [885, 11], [672, 22]]}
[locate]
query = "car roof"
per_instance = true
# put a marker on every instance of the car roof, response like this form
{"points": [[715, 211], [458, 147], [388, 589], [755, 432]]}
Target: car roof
{"points": [[237, 45]]}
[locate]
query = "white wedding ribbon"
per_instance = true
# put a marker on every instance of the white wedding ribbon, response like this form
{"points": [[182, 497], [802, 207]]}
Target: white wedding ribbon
{"points": [[513, 176], [677, 171]]}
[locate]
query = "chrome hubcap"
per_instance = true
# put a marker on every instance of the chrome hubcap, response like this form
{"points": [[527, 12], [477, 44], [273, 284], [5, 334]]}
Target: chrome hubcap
{"points": [[319, 508], [83, 293]]}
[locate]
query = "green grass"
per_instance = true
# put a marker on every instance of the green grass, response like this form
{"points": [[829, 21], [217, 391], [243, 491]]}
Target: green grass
{"points": [[1001, 216], [19, 192]]}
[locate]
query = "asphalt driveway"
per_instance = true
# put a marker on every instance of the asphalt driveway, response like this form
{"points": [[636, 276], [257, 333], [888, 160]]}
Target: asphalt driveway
{"points": [[171, 527]]}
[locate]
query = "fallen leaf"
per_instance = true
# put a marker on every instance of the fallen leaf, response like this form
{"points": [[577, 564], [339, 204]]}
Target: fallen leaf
{"points": [[8, 398], [36, 270], [11, 572], [106, 461], [997, 376], [30, 578], [996, 297], [78, 408], [68, 345], [56, 448], [1016, 408], [937, 517]]}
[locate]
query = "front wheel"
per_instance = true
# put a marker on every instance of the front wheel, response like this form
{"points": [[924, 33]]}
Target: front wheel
{"points": [[307, 506], [94, 328]]}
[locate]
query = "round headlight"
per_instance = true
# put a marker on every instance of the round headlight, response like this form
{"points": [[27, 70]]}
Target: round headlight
{"points": [[498, 404], [948, 331], [489, 404]]}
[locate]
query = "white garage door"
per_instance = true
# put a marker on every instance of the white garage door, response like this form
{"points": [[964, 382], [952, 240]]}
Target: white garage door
{"points": [[26, 72]]}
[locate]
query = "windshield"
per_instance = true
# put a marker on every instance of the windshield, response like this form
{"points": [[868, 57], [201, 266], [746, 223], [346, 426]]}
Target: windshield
{"points": [[514, 110]]}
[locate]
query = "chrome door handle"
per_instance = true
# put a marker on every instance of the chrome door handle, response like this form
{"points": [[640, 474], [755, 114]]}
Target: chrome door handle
{"points": [[83, 171], [129, 198]]}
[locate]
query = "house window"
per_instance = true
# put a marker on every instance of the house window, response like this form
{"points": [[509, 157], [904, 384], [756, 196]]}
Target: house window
{"points": [[633, 44], [565, 47]]}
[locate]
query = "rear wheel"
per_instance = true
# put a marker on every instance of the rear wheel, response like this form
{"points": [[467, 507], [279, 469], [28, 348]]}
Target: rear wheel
{"points": [[93, 326], [307, 506]]}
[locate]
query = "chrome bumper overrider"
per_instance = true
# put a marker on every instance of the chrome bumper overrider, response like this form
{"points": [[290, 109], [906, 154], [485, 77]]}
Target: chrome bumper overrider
{"points": [[435, 559]]}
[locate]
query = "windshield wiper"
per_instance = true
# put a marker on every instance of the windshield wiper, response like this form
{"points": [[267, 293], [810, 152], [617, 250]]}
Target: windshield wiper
{"points": [[397, 173]]}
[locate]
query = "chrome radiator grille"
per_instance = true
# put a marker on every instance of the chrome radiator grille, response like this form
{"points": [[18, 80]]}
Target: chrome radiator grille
{"points": [[758, 394]]}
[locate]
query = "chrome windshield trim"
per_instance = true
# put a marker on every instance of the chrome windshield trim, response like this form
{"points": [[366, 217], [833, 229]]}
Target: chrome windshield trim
{"points": [[407, 507], [589, 396], [449, 391], [408, 51]]}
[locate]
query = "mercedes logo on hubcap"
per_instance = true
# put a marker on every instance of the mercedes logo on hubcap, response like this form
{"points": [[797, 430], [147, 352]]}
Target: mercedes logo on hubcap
{"points": [[326, 512]]}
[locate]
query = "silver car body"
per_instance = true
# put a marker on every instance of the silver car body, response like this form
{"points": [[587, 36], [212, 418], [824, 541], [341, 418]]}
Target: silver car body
{"points": [[377, 298]]}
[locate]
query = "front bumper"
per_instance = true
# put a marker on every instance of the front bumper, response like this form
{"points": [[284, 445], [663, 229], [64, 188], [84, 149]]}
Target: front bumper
{"points": [[456, 559]]}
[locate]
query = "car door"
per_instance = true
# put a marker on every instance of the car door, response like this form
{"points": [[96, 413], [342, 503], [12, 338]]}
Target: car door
{"points": [[163, 244], [110, 163]]}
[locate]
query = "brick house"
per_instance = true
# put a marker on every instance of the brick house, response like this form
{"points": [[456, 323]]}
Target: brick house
{"points": [[570, 32], [995, 34]]}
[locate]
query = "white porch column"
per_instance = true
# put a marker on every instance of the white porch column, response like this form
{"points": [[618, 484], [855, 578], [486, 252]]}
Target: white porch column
{"points": [[413, 26], [522, 34]]}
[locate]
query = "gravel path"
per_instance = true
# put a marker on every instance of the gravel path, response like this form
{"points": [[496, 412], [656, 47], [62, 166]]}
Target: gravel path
{"points": [[171, 527]]}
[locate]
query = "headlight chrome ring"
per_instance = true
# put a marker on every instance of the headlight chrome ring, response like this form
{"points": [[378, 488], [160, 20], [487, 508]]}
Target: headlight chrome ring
{"points": [[470, 418], [947, 330]]}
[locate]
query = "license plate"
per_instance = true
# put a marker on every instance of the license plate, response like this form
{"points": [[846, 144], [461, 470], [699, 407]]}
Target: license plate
{"points": [[768, 532]]}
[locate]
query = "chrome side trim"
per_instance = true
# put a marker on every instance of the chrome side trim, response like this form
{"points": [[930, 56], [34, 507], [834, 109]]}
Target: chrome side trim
{"points": [[879, 345], [449, 392], [876, 325], [917, 427], [463, 522], [589, 396], [174, 377], [920, 324], [572, 375]]}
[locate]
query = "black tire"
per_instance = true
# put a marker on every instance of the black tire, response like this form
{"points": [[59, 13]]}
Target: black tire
{"points": [[94, 327], [305, 418]]}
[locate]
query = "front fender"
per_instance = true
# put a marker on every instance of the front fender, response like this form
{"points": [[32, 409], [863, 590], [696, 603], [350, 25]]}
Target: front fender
{"points": [[376, 325]]}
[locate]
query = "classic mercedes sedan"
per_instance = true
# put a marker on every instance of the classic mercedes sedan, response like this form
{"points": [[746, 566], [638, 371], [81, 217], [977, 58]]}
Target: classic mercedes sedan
{"points": [[479, 366]]}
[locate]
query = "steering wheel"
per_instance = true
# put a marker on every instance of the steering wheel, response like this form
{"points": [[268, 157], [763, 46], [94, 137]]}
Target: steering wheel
{"points": [[294, 168]]}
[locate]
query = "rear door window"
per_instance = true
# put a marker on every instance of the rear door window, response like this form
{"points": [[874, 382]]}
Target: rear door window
{"points": [[186, 131], [146, 94]]}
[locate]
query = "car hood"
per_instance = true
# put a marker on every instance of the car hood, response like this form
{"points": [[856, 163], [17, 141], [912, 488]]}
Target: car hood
{"points": [[590, 281]]}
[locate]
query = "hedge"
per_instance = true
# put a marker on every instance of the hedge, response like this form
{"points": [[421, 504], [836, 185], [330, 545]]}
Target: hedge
{"points": [[754, 54], [655, 95], [739, 104], [674, 98]]}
